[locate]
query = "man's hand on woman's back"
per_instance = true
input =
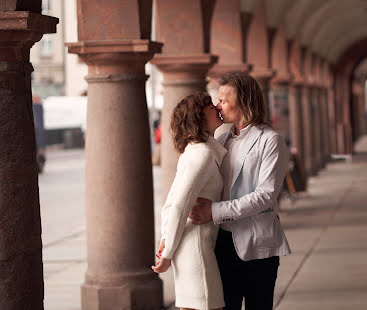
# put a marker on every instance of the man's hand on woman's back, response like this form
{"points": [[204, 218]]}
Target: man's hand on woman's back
{"points": [[201, 212]]}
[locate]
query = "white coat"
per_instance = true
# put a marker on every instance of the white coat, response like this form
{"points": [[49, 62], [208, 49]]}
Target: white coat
{"points": [[191, 247]]}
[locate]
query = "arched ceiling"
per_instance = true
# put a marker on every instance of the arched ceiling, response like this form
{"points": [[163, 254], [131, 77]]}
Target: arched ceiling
{"points": [[336, 48], [329, 10], [300, 12], [338, 26], [275, 10], [327, 27], [249, 5]]}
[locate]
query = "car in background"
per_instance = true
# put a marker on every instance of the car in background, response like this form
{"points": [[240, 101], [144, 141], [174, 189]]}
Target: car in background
{"points": [[59, 120], [65, 119]]}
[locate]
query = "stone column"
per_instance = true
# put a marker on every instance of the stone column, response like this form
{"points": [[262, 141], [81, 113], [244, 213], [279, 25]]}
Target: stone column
{"points": [[325, 134], [331, 119], [316, 127], [119, 192], [308, 146], [296, 125], [182, 76], [228, 33], [295, 118], [263, 80], [21, 269]]}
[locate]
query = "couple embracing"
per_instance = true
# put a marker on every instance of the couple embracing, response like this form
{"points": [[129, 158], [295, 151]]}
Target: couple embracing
{"points": [[220, 228]]}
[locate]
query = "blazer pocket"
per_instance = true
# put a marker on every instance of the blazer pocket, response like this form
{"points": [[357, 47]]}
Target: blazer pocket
{"points": [[266, 226], [250, 165], [253, 155]]}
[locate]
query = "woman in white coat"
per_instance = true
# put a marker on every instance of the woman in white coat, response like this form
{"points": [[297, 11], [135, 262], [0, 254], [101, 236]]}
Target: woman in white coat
{"points": [[190, 247]]}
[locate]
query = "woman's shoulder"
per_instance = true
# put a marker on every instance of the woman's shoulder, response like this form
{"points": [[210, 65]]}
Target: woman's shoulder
{"points": [[197, 152], [209, 150], [196, 148]]}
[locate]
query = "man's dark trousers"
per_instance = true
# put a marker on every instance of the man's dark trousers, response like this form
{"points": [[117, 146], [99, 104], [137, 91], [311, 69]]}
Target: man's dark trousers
{"points": [[253, 280]]}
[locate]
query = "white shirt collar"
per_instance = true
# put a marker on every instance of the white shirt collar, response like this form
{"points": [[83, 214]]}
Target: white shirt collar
{"points": [[243, 131]]}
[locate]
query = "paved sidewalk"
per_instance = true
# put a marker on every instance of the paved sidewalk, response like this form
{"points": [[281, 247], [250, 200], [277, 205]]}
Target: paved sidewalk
{"points": [[326, 228], [327, 231]]}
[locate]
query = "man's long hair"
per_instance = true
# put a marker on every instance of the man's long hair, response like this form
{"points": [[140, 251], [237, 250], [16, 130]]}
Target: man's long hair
{"points": [[248, 96]]}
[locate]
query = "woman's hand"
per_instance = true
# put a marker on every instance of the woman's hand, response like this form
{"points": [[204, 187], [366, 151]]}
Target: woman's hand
{"points": [[162, 266]]}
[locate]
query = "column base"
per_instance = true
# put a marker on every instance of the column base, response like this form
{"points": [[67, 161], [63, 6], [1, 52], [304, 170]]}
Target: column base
{"points": [[131, 296]]}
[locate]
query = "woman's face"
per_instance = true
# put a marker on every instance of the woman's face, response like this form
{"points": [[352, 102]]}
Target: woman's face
{"points": [[212, 118]]}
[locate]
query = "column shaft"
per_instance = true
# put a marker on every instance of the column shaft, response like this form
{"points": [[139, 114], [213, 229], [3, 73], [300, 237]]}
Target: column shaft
{"points": [[307, 131], [21, 283], [295, 119], [182, 76], [264, 83], [316, 128], [332, 120], [325, 134], [296, 127], [21, 269], [119, 188], [173, 92]]}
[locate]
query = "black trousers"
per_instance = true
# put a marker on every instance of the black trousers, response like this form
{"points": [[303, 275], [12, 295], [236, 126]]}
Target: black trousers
{"points": [[253, 280]]}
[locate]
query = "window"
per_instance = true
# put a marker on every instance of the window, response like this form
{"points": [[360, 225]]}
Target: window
{"points": [[46, 6], [46, 46]]}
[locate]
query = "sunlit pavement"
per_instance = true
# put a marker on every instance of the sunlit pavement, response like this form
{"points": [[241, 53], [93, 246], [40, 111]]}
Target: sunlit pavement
{"points": [[326, 228]]}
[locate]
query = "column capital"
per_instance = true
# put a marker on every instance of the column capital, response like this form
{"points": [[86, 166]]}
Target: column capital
{"points": [[20, 30], [115, 58], [183, 67], [262, 73], [219, 70], [27, 21], [282, 79], [91, 47], [105, 51]]}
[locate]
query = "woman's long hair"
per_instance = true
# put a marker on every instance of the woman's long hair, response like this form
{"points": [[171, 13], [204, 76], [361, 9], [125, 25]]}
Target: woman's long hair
{"points": [[188, 122]]}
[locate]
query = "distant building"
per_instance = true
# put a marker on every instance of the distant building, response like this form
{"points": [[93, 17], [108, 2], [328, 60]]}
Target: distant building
{"points": [[57, 73]]}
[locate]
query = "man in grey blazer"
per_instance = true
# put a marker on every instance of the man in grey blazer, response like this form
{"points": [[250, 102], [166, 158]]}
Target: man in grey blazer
{"points": [[251, 238]]}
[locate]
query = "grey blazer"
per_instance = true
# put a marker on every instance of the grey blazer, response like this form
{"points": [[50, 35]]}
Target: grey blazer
{"points": [[257, 179]]}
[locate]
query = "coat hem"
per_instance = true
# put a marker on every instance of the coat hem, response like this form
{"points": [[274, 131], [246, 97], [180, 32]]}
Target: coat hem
{"points": [[196, 303]]}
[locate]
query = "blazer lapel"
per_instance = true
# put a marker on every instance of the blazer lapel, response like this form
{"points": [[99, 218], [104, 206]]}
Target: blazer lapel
{"points": [[246, 145]]}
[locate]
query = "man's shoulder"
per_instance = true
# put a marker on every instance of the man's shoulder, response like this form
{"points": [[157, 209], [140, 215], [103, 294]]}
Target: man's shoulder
{"points": [[268, 132]]}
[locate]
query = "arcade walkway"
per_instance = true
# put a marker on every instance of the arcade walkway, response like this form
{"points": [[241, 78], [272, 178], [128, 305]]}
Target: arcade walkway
{"points": [[327, 230]]}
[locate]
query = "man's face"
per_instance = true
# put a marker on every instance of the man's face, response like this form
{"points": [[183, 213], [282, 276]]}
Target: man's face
{"points": [[227, 105]]}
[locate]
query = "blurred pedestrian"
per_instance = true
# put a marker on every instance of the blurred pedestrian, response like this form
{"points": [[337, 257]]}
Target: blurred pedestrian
{"points": [[156, 157]]}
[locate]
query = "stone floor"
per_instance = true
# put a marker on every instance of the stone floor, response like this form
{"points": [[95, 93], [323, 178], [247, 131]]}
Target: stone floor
{"points": [[326, 228]]}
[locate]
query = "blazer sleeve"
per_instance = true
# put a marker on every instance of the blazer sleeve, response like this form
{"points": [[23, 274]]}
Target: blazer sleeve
{"points": [[197, 165], [271, 175]]}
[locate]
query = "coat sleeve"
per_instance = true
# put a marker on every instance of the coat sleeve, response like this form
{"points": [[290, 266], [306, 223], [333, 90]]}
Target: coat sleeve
{"points": [[271, 175], [168, 203], [198, 163]]}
